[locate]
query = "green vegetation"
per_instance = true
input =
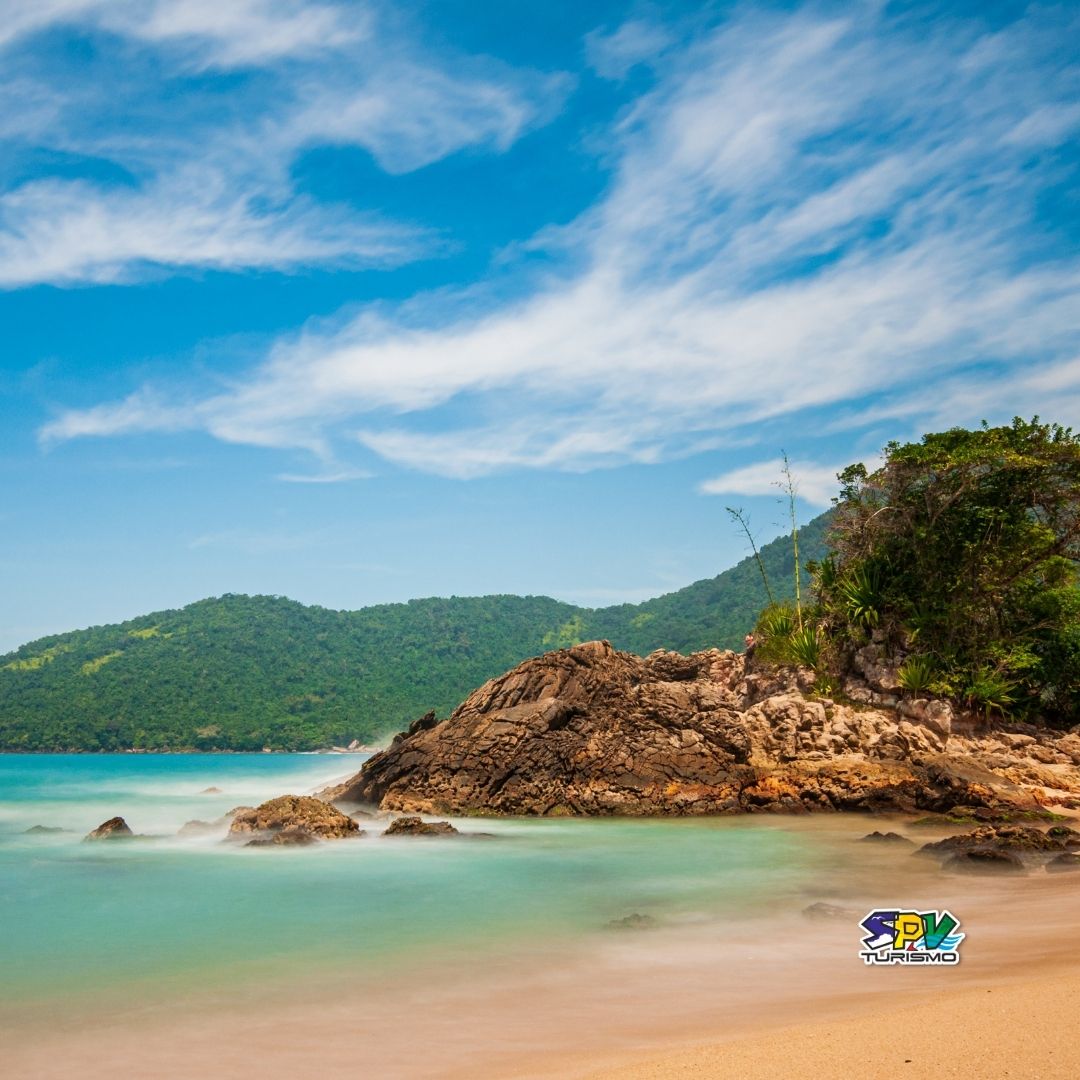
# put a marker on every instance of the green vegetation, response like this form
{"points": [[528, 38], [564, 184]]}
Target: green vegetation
{"points": [[961, 554], [243, 672]]}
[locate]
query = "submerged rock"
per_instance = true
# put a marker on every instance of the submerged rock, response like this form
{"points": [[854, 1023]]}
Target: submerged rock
{"points": [[1070, 860], [986, 861], [829, 912], [41, 830], [590, 730], [886, 838], [1021, 839], [292, 837], [415, 826], [633, 922], [199, 828], [292, 815], [115, 828]]}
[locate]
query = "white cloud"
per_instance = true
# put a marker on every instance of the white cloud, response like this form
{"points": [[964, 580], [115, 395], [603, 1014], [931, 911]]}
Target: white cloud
{"points": [[66, 232], [816, 484], [209, 168], [805, 213], [331, 476], [236, 32], [614, 55]]}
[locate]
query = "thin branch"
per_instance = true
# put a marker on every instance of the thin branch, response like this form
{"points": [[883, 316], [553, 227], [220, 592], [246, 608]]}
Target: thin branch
{"points": [[792, 490], [740, 516]]}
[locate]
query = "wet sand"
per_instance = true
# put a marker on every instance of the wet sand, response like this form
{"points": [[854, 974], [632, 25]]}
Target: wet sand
{"points": [[777, 995]]}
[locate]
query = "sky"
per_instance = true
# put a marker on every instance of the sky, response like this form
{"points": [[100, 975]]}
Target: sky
{"points": [[358, 302]]}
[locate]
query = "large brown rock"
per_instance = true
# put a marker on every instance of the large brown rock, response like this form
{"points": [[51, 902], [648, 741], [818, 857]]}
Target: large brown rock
{"points": [[289, 816], [590, 730]]}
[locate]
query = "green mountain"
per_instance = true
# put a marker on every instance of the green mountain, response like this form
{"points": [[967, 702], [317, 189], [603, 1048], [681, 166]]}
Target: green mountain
{"points": [[244, 672]]}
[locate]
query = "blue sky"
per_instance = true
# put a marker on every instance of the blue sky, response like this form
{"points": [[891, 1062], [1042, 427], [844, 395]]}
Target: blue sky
{"points": [[359, 302]]}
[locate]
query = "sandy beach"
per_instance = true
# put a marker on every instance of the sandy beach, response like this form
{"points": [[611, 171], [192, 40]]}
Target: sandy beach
{"points": [[1014, 1030]]}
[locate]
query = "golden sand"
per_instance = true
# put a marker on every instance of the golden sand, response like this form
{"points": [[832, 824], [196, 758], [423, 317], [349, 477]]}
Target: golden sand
{"points": [[990, 1033]]}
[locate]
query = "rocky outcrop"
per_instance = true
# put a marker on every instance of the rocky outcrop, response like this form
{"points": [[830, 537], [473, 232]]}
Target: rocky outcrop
{"points": [[590, 730], [115, 828], [291, 819], [1003, 848]]}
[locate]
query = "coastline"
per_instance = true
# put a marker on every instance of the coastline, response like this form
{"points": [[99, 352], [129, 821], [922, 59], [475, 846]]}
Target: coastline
{"points": [[682, 1000]]}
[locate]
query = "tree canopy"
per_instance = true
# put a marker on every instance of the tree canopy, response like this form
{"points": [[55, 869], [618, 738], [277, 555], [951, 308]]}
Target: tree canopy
{"points": [[962, 550]]}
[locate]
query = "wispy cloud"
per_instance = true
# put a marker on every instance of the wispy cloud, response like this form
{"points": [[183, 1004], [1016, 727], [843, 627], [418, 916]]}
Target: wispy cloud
{"points": [[69, 232], [804, 212], [329, 476], [228, 34], [207, 160], [816, 484], [259, 542], [613, 55]]}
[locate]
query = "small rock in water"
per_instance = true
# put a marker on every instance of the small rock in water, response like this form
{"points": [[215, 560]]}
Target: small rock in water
{"points": [[986, 861], [411, 825], [821, 910], [633, 922], [114, 829], [210, 791], [887, 838], [39, 830], [198, 828], [289, 815], [293, 837], [1069, 861]]}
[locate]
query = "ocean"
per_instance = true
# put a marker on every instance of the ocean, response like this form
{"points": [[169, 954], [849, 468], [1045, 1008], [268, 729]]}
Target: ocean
{"points": [[170, 915]]}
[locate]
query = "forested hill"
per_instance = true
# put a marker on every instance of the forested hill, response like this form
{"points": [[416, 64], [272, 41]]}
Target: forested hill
{"points": [[244, 672]]}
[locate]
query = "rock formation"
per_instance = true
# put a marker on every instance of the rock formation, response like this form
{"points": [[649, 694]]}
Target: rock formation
{"points": [[1003, 848], [291, 819], [114, 829], [590, 730]]}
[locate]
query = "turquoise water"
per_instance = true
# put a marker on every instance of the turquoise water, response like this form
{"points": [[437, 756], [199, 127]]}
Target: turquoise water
{"points": [[171, 915]]}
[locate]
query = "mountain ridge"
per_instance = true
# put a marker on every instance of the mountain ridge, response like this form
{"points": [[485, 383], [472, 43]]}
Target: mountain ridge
{"points": [[243, 672]]}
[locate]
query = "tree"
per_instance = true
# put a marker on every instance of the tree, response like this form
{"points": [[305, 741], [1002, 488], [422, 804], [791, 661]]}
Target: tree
{"points": [[963, 549]]}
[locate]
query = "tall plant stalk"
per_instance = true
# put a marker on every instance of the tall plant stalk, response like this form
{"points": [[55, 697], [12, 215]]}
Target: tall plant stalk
{"points": [[790, 488], [739, 515]]}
